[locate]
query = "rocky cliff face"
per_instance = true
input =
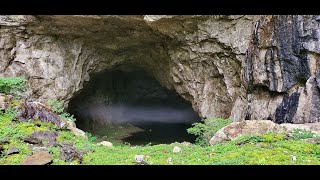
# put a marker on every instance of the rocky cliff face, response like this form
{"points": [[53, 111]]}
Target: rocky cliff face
{"points": [[243, 67]]}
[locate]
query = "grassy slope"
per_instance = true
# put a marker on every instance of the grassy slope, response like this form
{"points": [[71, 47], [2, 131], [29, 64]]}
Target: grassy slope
{"points": [[278, 152]]}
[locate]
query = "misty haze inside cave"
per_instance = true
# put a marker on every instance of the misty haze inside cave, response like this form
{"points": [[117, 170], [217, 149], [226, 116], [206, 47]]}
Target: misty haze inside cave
{"points": [[131, 106]]}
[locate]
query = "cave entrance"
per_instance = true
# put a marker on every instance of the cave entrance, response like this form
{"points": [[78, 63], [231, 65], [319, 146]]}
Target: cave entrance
{"points": [[132, 107]]}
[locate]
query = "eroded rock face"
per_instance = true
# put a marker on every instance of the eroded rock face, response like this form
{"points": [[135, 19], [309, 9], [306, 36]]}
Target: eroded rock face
{"points": [[236, 129], [242, 67], [259, 127], [36, 110]]}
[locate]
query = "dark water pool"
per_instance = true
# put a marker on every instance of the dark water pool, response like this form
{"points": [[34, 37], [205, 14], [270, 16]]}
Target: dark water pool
{"points": [[160, 133]]}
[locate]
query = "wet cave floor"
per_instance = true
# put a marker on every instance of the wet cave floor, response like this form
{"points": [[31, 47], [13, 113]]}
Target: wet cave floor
{"points": [[132, 108]]}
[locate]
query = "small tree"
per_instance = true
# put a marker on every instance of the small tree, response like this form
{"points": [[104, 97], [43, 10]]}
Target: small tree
{"points": [[207, 128]]}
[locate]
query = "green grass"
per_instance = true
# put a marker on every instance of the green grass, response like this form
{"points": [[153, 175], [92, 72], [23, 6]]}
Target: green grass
{"points": [[302, 134], [274, 153], [267, 149], [12, 85]]}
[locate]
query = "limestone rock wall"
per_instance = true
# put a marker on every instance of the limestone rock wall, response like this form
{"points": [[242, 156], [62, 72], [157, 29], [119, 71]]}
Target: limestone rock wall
{"points": [[242, 67]]}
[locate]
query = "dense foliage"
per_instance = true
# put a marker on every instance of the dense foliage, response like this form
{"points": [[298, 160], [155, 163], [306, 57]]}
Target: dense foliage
{"points": [[207, 128], [58, 107], [12, 85]]}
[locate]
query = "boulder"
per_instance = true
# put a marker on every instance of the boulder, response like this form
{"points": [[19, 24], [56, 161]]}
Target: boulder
{"points": [[36, 110], [140, 160], [258, 127], [105, 143], [12, 150], [70, 124], [32, 140], [5, 140], [176, 149], [40, 158], [78, 132], [251, 127], [49, 137], [314, 127], [69, 153], [39, 149]]}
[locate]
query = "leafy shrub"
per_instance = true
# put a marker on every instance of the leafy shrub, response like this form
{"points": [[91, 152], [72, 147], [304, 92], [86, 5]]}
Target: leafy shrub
{"points": [[13, 85], [302, 134], [91, 138], [248, 139], [272, 137], [266, 138], [317, 138], [57, 106], [205, 130], [68, 117]]}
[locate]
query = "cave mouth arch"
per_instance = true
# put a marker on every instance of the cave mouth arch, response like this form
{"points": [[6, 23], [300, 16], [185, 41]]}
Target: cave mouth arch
{"points": [[130, 106]]}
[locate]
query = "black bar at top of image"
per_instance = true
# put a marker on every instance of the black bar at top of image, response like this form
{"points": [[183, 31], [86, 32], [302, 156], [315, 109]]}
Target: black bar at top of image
{"points": [[157, 7]]}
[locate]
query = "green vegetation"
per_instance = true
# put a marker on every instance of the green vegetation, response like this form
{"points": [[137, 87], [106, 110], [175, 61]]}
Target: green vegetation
{"points": [[57, 106], [302, 134], [205, 130], [265, 138], [12, 85], [265, 149]]}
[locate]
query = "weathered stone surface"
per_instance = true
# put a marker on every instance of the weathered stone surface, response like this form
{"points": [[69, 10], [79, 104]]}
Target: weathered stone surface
{"points": [[12, 150], [79, 132], [224, 65], [69, 153], [70, 124], [5, 101], [32, 140], [176, 149], [258, 127], [105, 143], [36, 110], [236, 129], [5, 140], [283, 57], [46, 137], [140, 160], [314, 127], [40, 158], [39, 149]]}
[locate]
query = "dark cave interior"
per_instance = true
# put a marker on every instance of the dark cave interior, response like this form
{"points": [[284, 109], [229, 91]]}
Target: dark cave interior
{"points": [[120, 98]]}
